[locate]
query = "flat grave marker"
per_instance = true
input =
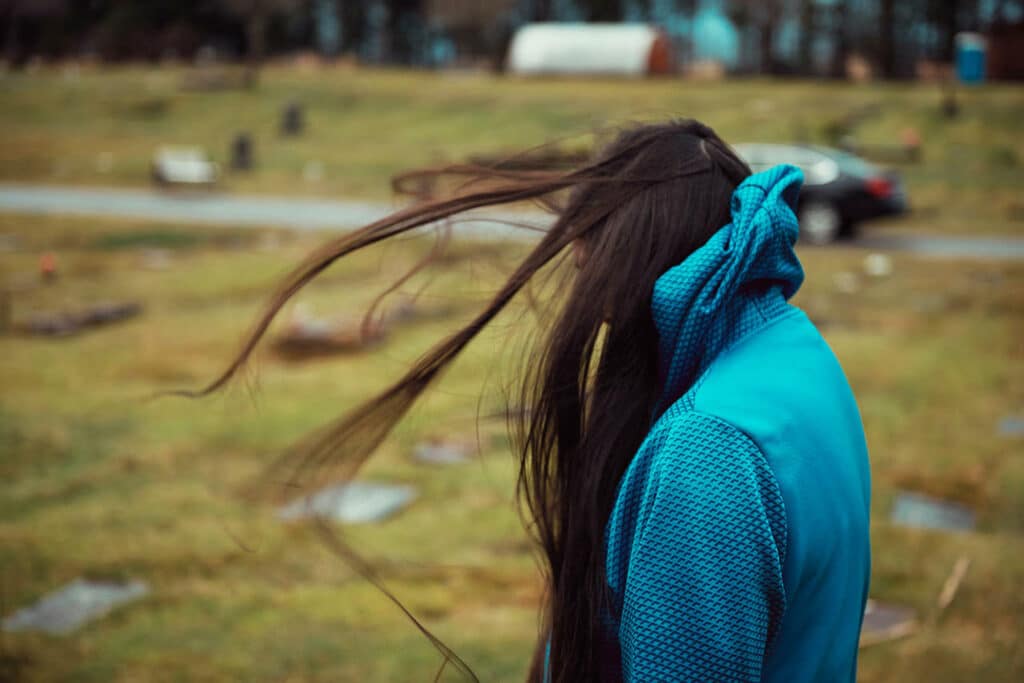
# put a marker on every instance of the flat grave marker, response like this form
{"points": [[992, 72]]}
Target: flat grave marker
{"points": [[76, 604], [351, 503]]}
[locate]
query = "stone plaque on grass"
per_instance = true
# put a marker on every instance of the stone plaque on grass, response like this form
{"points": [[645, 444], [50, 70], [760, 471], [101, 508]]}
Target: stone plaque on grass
{"points": [[886, 622], [919, 510], [441, 453], [1011, 426], [74, 605], [351, 503]]}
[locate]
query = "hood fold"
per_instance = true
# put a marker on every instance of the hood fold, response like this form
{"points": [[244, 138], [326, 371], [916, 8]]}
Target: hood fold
{"points": [[702, 304]]}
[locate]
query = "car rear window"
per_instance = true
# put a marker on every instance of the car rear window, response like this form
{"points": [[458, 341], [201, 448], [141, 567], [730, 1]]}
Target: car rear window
{"points": [[818, 167], [853, 165]]}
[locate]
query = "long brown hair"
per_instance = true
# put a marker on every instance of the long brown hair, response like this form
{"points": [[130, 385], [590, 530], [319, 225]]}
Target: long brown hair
{"points": [[651, 197]]}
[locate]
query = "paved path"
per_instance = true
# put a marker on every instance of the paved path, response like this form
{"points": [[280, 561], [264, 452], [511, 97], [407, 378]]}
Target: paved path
{"points": [[300, 213], [324, 214], [1000, 248]]}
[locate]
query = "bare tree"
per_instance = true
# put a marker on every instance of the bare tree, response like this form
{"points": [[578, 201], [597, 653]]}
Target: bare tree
{"points": [[352, 14], [603, 10], [256, 15], [887, 37], [15, 11], [999, 13], [840, 38], [946, 14], [740, 16], [808, 31], [540, 10], [760, 17]]}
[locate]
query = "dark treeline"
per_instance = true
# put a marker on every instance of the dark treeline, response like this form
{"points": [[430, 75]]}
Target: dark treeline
{"points": [[801, 37]]}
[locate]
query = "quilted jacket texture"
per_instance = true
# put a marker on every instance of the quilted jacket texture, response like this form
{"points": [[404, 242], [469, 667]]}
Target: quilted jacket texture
{"points": [[738, 547]]}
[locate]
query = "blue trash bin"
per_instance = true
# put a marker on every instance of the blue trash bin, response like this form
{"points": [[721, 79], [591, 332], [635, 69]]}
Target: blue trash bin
{"points": [[970, 57]]}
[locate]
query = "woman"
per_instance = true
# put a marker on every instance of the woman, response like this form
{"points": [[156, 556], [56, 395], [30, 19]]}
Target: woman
{"points": [[692, 460]]}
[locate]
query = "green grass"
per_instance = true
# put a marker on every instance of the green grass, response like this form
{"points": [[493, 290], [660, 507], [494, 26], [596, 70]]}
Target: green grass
{"points": [[103, 127], [99, 482]]}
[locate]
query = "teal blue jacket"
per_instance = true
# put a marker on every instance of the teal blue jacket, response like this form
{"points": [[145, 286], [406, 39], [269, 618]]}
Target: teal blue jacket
{"points": [[738, 547]]}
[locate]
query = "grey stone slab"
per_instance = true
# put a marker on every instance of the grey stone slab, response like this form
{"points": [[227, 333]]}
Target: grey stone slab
{"points": [[441, 453], [878, 265], [1011, 426], [74, 605], [918, 510], [352, 503], [188, 166], [886, 622], [9, 243]]}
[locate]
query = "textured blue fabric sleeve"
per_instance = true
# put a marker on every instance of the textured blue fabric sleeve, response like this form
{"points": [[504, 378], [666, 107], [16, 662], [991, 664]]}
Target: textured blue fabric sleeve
{"points": [[703, 594]]}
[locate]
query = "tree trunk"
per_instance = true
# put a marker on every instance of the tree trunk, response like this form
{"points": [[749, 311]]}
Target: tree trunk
{"points": [[604, 10], [12, 48], [255, 35], [948, 29], [353, 24], [999, 12], [840, 40], [807, 32], [887, 38], [766, 34], [540, 10]]}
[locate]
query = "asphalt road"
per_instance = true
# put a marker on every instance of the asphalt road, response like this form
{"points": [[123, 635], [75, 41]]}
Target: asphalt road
{"points": [[325, 214]]}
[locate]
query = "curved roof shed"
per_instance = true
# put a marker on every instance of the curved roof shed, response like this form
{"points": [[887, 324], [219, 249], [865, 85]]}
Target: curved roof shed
{"points": [[632, 50]]}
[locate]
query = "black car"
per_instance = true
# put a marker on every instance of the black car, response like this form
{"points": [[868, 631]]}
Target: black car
{"points": [[840, 190]]}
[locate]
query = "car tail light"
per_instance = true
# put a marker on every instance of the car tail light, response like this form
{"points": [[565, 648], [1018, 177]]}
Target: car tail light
{"points": [[879, 187]]}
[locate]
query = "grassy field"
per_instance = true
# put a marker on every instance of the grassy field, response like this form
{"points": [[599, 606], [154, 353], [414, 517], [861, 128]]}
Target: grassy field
{"points": [[102, 128], [101, 483]]}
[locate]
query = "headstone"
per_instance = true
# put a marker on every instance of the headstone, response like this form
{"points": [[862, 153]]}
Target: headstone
{"points": [[64, 323], [156, 259], [206, 56], [104, 162], [886, 622], [9, 243], [1011, 426], [308, 336], [74, 605], [183, 166], [846, 282], [878, 265], [932, 302], [48, 266], [911, 141], [241, 152], [71, 72], [441, 453], [52, 325], [269, 241], [109, 312], [950, 108], [292, 119], [351, 503], [61, 167], [918, 510], [313, 172], [6, 311]]}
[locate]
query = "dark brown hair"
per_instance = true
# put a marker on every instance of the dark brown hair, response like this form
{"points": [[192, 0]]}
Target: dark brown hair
{"points": [[642, 205]]}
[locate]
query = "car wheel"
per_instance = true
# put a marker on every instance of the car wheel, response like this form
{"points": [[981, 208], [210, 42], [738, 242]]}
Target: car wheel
{"points": [[820, 223]]}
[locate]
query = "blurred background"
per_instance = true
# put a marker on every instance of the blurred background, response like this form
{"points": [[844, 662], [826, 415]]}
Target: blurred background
{"points": [[163, 163]]}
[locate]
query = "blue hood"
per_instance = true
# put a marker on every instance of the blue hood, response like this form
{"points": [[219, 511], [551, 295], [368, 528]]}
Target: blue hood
{"points": [[703, 304]]}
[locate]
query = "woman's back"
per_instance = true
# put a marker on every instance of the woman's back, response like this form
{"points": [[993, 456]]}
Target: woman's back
{"points": [[738, 546], [733, 533]]}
